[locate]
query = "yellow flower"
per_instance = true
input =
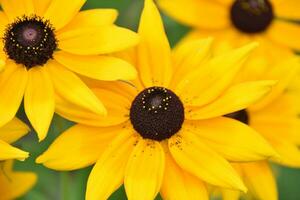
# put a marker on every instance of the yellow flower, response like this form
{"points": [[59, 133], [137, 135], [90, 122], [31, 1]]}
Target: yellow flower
{"points": [[165, 131], [10, 133], [276, 118], [14, 184], [234, 23], [44, 44]]}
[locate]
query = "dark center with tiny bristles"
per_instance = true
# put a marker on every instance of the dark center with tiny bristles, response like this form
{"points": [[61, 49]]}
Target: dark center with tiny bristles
{"points": [[30, 41], [157, 113], [241, 116], [252, 16]]}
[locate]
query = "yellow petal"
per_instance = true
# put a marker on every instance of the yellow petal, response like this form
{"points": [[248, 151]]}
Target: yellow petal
{"points": [[13, 81], [15, 184], [289, 153], [197, 13], [106, 68], [40, 7], [179, 185], [78, 147], [3, 25], [144, 171], [72, 89], [116, 97], [93, 41], [285, 33], [117, 108], [9, 152], [154, 53], [198, 159], [289, 67], [288, 9], [17, 8], [62, 12], [236, 98], [13, 130], [209, 81], [108, 173], [260, 180], [91, 18], [39, 102], [189, 55], [231, 139]]}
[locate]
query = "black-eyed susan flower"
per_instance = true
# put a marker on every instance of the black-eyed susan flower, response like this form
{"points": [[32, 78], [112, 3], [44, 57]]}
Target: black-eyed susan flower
{"points": [[276, 118], [237, 22], [152, 139], [10, 133], [44, 43], [14, 184]]}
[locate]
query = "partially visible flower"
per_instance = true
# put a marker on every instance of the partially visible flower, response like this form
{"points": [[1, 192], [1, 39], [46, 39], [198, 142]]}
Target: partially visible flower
{"points": [[14, 184], [276, 118], [234, 23], [44, 44], [165, 131]]}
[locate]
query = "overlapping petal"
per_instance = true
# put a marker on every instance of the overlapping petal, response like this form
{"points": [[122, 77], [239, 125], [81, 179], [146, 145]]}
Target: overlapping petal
{"points": [[108, 173], [153, 51], [144, 171], [194, 156], [78, 147]]}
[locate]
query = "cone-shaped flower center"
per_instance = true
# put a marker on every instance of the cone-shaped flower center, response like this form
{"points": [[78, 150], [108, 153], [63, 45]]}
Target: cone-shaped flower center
{"points": [[157, 113], [241, 116], [252, 16], [30, 41]]}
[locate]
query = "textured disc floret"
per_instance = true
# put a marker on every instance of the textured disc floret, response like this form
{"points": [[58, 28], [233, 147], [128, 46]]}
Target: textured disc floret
{"points": [[241, 116], [157, 113], [30, 41], [252, 16]]}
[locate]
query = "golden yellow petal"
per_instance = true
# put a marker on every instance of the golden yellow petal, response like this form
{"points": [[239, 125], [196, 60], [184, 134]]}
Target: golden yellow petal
{"points": [[287, 9], [210, 80], [78, 147], [13, 130], [106, 68], [40, 6], [9, 152], [197, 13], [17, 8], [13, 81], [108, 173], [260, 180], [39, 100], [144, 170], [154, 53], [285, 33], [91, 19], [179, 185], [194, 156], [237, 97], [93, 41], [15, 184], [60, 13], [71, 88], [289, 67], [189, 55], [231, 139]]}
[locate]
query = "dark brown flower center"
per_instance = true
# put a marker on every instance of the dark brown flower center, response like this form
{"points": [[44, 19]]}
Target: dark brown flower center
{"points": [[252, 16], [30, 41], [157, 113], [241, 116]]}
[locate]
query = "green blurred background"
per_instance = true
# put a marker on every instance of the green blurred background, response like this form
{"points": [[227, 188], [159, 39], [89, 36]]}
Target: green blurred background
{"points": [[71, 185]]}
